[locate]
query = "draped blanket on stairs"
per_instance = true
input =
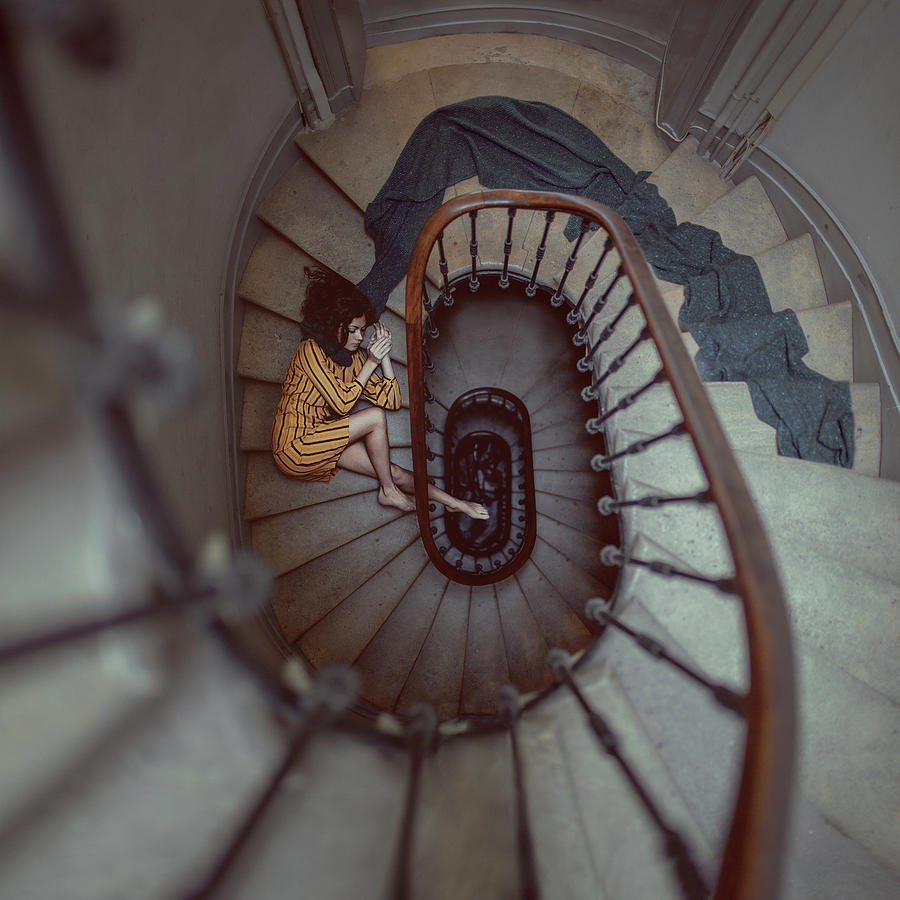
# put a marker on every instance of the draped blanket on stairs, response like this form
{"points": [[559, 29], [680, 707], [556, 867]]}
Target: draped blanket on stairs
{"points": [[525, 145]]}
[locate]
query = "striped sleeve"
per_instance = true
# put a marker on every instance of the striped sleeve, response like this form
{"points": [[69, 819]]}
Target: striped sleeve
{"points": [[338, 395], [383, 392]]}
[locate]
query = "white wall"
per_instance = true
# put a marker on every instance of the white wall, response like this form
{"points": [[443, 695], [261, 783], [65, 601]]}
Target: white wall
{"points": [[152, 160], [842, 135]]}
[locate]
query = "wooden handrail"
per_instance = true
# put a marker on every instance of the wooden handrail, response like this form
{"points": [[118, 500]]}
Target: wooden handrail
{"points": [[751, 864]]}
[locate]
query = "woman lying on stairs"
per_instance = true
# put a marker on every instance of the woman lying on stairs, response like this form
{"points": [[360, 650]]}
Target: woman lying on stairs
{"points": [[314, 433]]}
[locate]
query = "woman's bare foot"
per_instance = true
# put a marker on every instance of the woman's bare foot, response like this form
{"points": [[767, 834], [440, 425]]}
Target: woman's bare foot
{"points": [[472, 510], [393, 496]]}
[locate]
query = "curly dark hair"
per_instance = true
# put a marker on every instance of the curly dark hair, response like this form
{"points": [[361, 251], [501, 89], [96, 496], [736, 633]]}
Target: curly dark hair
{"points": [[330, 305]]}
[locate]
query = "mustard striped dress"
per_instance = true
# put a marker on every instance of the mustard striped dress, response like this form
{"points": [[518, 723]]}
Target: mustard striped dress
{"points": [[311, 427]]}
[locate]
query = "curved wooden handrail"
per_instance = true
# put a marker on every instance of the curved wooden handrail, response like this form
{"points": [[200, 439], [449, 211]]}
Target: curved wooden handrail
{"points": [[751, 864]]}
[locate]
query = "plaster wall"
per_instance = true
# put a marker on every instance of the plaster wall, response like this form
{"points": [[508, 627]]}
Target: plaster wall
{"points": [[841, 134], [152, 160]]}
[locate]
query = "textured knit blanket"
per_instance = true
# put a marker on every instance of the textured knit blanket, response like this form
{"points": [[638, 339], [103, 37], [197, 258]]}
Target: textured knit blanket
{"points": [[526, 145]]}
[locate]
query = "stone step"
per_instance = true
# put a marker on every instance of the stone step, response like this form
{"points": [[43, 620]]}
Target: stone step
{"points": [[486, 667], [575, 457], [745, 218], [560, 624], [829, 333], [268, 491], [342, 635], [700, 743], [437, 674], [689, 183], [359, 150], [465, 840], [313, 214], [312, 832], [624, 848], [290, 539], [563, 853], [865, 401], [791, 274], [526, 645], [388, 658], [273, 277], [853, 517], [309, 592], [561, 562]]}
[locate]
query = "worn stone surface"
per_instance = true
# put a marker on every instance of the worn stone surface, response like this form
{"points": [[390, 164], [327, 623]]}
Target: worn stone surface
{"points": [[791, 274], [386, 115], [688, 182], [745, 218], [828, 331], [486, 667], [317, 217], [273, 277]]}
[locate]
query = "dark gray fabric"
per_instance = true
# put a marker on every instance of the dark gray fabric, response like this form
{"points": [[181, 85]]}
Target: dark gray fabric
{"points": [[525, 145]]}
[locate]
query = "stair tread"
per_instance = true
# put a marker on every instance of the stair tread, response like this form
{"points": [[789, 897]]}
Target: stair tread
{"points": [[570, 457], [341, 635], [385, 663], [485, 664], [319, 219], [791, 274], [745, 218], [258, 414], [268, 491], [268, 344], [273, 277], [387, 114], [436, 676], [684, 723], [559, 623], [829, 334], [563, 854], [292, 538], [307, 593], [687, 182], [573, 583], [464, 845], [625, 849], [526, 647], [580, 515]]}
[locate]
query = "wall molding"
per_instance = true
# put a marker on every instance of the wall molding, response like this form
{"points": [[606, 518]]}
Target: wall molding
{"points": [[278, 154], [624, 44]]}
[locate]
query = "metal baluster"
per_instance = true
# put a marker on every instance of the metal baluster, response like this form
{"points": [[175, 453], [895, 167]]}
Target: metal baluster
{"points": [[474, 284], [595, 425], [426, 393], [581, 335], [427, 363], [592, 392], [598, 610], [243, 587], [509, 705], [531, 288], [507, 247], [430, 427], [558, 298], [607, 506], [584, 364], [601, 462], [614, 556], [446, 293], [676, 848], [334, 689], [420, 733], [589, 282]]}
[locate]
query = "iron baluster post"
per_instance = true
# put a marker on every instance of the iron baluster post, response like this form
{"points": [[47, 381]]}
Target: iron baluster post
{"points": [[421, 733], [509, 704], [531, 288], [446, 294], [601, 462], [557, 298], [589, 282], [474, 283], [691, 880], [615, 556], [595, 425], [507, 247], [333, 691]]}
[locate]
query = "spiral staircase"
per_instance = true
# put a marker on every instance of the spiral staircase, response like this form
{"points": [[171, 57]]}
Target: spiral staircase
{"points": [[354, 584]]}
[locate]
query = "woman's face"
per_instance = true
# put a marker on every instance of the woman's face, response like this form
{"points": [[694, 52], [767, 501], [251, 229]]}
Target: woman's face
{"points": [[356, 331]]}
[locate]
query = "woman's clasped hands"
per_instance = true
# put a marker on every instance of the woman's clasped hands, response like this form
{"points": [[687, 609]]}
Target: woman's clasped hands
{"points": [[381, 342]]}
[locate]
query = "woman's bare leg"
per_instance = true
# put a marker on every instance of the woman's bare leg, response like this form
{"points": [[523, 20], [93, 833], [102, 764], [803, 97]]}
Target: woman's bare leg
{"points": [[368, 453], [404, 480]]}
